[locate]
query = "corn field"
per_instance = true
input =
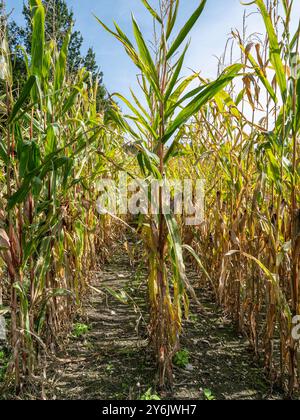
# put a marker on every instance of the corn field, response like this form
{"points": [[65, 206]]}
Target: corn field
{"points": [[239, 132]]}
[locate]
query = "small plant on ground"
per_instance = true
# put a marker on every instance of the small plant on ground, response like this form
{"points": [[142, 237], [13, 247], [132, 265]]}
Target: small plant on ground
{"points": [[193, 318], [110, 368], [182, 358], [80, 330], [149, 396], [208, 395]]}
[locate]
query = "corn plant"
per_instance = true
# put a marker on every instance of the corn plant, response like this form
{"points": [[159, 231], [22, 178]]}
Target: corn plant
{"points": [[156, 134], [250, 242], [51, 138]]}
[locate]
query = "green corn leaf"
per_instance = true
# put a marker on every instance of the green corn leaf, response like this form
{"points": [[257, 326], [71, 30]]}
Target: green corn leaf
{"points": [[3, 153], [107, 28], [144, 51], [240, 97], [188, 95], [36, 186], [172, 18], [123, 35], [20, 195], [37, 46], [71, 100], [51, 139], [139, 116], [38, 37], [199, 262], [117, 118], [173, 149], [186, 29], [176, 74], [199, 101], [61, 65], [25, 94], [295, 38], [275, 51], [140, 160], [297, 118], [138, 103], [120, 36], [152, 11], [49, 51], [150, 72], [174, 101]]}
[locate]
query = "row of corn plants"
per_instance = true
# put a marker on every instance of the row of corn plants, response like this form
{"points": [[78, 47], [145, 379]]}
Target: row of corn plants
{"points": [[250, 242], [52, 142]]}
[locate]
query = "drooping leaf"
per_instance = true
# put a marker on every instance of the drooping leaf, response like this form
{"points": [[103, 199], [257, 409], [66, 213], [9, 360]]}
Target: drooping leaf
{"points": [[260, 74], [139, 116]]}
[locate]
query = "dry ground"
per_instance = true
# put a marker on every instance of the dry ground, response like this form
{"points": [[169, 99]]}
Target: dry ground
{"points": [[113, 360]]}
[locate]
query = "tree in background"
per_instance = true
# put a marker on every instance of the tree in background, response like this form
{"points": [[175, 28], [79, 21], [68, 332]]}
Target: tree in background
{"points": [[2, 13], [91, 65], [59, 20]]}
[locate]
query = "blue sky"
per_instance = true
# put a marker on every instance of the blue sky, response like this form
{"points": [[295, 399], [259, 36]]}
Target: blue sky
{"points": [[208, 37]]}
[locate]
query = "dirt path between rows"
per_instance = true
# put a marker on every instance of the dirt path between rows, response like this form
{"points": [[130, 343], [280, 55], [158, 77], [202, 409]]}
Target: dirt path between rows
{"points": [[113, 360]]}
